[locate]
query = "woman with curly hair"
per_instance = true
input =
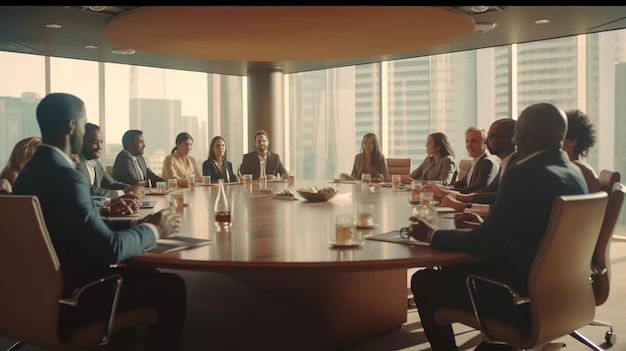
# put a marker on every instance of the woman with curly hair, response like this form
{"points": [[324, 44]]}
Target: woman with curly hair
{"points": [[580, 137]]}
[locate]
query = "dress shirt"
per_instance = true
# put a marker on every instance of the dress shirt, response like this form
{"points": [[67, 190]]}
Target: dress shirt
{"points": [[138, 169], [90, 169], [471, 169]]}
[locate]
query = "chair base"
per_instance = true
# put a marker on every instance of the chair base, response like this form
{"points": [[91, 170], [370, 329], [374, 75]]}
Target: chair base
{"points": [[17, 345], [578, 336]]}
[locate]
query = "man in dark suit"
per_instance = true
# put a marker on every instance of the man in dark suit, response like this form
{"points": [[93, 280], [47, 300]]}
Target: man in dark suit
{"points": [[484, 166], [509, 236], [130, 167], [102, 184], [251, 161], [85, 244]]}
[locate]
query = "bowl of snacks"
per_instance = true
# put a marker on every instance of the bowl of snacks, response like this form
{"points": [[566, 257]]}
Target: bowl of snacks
{"points": [[314, 194]]}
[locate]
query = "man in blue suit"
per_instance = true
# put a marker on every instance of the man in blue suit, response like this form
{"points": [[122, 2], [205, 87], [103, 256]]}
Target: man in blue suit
{"points": [[86, 245], [509, 236]]}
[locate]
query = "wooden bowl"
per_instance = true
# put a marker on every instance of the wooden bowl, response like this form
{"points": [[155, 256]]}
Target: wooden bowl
{"points": [[318, 196]]}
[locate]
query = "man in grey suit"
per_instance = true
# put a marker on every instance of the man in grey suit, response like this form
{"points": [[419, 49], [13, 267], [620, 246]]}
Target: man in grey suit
{"points": [[130, 166], [510, 235], [484, 167], [251, 161], [85, 243], [102, 184]]}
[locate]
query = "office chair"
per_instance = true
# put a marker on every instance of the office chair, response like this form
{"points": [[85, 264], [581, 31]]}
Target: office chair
{"points": [[32, 296], [560, 295], [398, 166], [464, 166], [600, 262]]}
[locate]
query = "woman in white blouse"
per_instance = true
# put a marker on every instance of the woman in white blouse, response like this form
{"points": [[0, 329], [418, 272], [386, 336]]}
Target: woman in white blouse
{"points": [[179, 164]]}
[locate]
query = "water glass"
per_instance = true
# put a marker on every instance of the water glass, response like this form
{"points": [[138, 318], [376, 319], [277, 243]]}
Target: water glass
{"points": [[247, 178], [416, 189], [171, 184], [396, 181], [344, 229], [160, 187], [206, 180], [191, 182], [365, 215], [366, 179]]}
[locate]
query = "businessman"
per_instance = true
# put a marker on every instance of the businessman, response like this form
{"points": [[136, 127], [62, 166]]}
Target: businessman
{"points": [[251, 163], [130, 166]]}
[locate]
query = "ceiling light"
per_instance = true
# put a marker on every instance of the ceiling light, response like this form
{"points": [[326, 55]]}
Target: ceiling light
{"points": [[121, 51], [92, 47], [542, 21], [484, 27], [479, 9], [54, 26], [97, 8]]}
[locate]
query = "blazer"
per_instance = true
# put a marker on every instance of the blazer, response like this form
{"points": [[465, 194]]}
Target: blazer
{"points": [[85, 243], [124, 169], [173, 167], [488, 194], [209, 168], [484, 173], [251, 165], [431, 170], [517, 221], [359, 167], [103, 184]]}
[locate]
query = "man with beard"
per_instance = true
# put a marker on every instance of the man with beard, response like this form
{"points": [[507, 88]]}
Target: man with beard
{"points": [[251, 163], [130, 167]]}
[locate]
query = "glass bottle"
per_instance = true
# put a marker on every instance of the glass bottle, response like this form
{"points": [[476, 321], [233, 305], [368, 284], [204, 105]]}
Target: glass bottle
{"points": [[262, 176], [426, 211], [222, 213]]}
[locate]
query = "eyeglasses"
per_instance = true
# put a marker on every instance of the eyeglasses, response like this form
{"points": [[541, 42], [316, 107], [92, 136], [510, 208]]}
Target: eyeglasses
{"points": [[489, 135]]}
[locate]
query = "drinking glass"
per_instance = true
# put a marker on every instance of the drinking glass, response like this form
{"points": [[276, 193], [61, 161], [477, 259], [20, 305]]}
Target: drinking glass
{"points": [[344, 229], [206, 180], [396, 181], [160, 187], [366, 179], [365, 215], [416, 189], [171, 184]]}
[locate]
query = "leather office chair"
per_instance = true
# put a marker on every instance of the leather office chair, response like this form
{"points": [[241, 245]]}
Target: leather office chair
{"points": [[32, 296], [560, 295], [464, 166], [109, 170], [398, 166], [600, 262]]}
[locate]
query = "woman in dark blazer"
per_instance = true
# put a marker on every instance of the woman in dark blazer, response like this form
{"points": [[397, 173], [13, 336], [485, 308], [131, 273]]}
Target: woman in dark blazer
{"points": [[216, 165]]}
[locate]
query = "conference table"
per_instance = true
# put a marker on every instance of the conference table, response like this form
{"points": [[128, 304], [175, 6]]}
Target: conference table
{"points": [[281, 247]]}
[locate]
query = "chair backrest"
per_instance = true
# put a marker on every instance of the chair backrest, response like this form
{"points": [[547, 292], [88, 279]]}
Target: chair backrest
{"points": [[109, 170], [562, 299], [399, 165], [30, 272], [608, 178], [600, 262], [464, 166]]}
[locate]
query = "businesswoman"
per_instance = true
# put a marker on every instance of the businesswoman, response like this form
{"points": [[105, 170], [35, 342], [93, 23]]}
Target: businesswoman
{"points": [[217, 166], [371, 160], [22, 151], [438, 164], [179, 164]]}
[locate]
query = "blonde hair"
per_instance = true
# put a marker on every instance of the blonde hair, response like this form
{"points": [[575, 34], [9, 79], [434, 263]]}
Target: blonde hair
{"points": [[22, 151]]}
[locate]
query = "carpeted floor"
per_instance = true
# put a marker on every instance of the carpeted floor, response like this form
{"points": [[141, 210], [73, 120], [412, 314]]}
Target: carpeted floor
{"points": [[227, 315]]}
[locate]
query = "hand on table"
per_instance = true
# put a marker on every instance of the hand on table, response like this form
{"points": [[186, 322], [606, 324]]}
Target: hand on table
{"points": [[121, 206], [419, 230], [439, 191], [167, 220], [449, 201], [138, 190], [467, 220]]}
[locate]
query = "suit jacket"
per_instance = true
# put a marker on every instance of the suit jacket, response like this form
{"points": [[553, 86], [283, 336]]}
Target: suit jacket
{"points": [[209, 168], [360, 167], [124, 169], [484, 173], [488, 194], [518, 219], [173, 167], [251, 165], [103, 184], [85, 244], [429, 170]]}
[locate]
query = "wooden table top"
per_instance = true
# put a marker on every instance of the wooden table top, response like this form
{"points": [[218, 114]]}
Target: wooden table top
{"points": [[295, 234]]}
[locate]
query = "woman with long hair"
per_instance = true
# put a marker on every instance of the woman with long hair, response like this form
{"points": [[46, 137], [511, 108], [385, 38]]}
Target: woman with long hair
{"points": [[180, 164], [439, 162], [22, 151], [371, 160], [217, 166]]}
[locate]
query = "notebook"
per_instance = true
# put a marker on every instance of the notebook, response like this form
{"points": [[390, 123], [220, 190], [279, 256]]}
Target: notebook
{"points": [[394, 237], [176, 243]]}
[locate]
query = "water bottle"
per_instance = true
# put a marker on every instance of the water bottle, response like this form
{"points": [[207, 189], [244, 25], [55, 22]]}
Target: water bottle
{"points": [[222, 213], [426, 211], [262, 177]]}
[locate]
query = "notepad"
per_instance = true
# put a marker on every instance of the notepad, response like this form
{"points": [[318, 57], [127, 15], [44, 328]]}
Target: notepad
{"points": [[176, 243], [394, 237]]}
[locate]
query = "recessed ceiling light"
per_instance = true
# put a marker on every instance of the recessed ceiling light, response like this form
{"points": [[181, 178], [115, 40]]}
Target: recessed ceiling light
{"points": [[121, 51], [93, 47], [542, 21], [97, 8], [53, 26], [479, 9], [484, 27]]}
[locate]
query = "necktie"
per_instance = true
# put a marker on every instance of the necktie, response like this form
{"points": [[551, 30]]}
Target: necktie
{"points": [[138, 169]]}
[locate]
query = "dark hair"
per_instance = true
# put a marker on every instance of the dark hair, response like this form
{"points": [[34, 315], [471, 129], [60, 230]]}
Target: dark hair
{"points": [[129, 137], [180, 138], [261, 131], [441, 140], [90, 126], [55, 110], [580, 128], [377, 152], [211, 152]]}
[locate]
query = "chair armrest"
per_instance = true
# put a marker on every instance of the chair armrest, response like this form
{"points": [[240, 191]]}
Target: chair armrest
{"points": [[472, 289], [74, 299]]}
